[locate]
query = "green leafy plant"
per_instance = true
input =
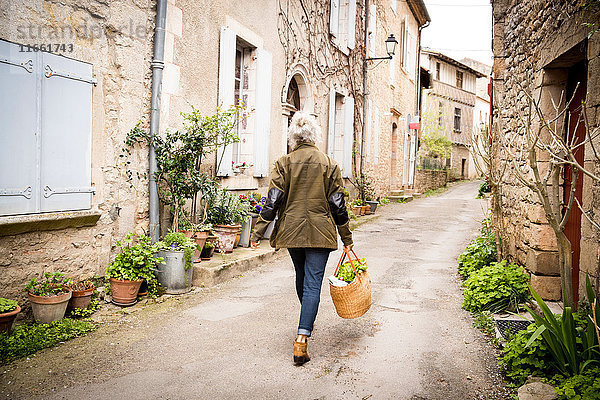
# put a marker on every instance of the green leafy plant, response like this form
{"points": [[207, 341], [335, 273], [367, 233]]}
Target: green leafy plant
{"points": [[136, 261], [26, 339], [573, 347], [7, 305], [483, 188], [481, 251], [346, 272], [484, 321], [519, 361], [385, 201], [51, 284], [356, 203], [584, 386], [496, 287], [86, 312], [226, 208], [208, 245], [363, 183], [179, 242]]}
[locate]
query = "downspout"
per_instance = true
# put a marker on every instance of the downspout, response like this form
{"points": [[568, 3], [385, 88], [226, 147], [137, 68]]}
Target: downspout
{"points": [[364, 126], [157, 70], [418, 104]]}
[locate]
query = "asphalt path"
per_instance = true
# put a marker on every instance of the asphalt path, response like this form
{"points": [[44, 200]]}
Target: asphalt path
{"points": [[234, 341]]}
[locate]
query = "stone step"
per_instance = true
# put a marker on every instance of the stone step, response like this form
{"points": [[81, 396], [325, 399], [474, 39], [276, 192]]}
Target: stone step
{"points": [[404, 197], [396, 193]]}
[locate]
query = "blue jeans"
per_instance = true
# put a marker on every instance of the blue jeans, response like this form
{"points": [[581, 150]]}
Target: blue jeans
{"points": [[310, 268]]}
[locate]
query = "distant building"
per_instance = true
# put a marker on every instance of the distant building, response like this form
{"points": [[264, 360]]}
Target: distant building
{"points": [[449, 107]]}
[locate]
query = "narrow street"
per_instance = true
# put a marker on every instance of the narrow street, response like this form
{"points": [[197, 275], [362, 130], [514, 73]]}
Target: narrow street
{"points": [[235, 341]]}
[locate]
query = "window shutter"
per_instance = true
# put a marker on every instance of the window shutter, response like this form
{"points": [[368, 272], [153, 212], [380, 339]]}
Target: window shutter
{"points": [[19, 135], [334, 16], [369, 137], [262, 130], [331, 125], [66, 134], [352, 24], [226, 92], [376, 133], [372, 43], [348, 136]]}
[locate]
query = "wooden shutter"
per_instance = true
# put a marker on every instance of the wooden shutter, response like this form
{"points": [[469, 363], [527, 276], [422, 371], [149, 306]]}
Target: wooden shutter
{"points": [[334, 16], [372, 42], [19, 135], [226, 92], [331, 125], [262, 130], [65, 164], [352, 24], [348, 136]]}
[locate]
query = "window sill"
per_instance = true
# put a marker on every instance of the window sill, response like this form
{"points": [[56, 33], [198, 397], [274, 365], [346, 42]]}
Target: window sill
{"points": [[16, 224]]}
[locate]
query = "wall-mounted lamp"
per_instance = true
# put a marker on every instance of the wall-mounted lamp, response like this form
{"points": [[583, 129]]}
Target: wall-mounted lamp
{"points": [[390, 48]]}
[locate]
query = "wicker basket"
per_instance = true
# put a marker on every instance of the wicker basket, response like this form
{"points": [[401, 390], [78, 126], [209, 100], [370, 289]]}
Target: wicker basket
{"points": [[354, 299]]}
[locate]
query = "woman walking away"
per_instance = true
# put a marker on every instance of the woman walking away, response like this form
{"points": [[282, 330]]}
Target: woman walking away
{"points": [[306, 193]]}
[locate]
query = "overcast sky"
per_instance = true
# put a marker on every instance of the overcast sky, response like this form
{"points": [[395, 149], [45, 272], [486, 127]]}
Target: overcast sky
{"points": [[460, 28]]}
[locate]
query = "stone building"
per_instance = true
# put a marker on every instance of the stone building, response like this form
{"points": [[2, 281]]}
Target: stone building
{"points": [[389, 148], [448, 107], [64, 197], [542, 48]]}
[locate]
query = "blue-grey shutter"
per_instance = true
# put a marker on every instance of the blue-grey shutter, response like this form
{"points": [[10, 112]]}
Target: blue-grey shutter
{"points": [[66, 120], [19, 132], [331, 125], [262, 130], [226, 92], [348, 136]]}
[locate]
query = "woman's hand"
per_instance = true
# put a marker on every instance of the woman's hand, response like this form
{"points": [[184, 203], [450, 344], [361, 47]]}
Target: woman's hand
{"points": [[349, 247], [255, 245]]}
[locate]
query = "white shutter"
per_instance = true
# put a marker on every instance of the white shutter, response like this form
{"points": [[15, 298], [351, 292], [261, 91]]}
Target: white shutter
{"points": [[226, 92], [331, 126], [372, 43], [19, 135], [262, 131], [65, 163], [348, 136], [351, 24], [376, 133], [369, 131], [334, 16], [405, 46]]}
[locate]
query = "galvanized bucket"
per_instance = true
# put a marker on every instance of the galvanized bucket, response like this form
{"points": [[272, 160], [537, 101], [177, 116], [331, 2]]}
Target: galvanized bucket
{"points": [[171, 273]]}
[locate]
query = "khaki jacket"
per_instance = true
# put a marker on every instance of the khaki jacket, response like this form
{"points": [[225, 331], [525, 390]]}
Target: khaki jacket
{"points": [[306, 193]]}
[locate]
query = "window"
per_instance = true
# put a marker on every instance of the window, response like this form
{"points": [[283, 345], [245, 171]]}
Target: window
{"points": [[46, 136], [342, 22], [438, 67], [459, 79], [440, 114], [341, 130], [403, 44], [245, 76], [457, 115]]}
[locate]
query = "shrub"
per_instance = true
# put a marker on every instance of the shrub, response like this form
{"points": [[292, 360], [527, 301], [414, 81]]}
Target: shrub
{"points": [[585, 386], [481, 252], [29, 338], [483, 188], [496, 287], [7, 305], [519, 361]]}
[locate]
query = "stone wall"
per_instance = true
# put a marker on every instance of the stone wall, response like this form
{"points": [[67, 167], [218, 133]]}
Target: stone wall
{"points": [[116, 38], [533, 44], [428, 179]]}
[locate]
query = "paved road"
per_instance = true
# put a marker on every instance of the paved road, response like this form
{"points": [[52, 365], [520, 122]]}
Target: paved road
{"points": [[235, 341]]}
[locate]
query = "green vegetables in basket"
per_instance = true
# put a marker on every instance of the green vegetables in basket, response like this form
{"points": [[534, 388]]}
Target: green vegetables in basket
{"points": [[346, 273]]}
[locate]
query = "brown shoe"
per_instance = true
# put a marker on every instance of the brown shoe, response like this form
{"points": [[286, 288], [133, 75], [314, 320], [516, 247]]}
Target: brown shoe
{"points": [[300, 354]]}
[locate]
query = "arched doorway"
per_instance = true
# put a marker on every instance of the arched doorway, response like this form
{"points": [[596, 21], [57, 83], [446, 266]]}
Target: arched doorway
{"points": [[297, 96]]}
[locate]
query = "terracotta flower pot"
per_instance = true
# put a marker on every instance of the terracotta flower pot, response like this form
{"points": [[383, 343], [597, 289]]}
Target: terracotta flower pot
{"points": [[356, 210], [51, 308], [236, 242], [227, 233], [366, 209], [200, 239], [81, 298], [7, 319], [124, 293]]}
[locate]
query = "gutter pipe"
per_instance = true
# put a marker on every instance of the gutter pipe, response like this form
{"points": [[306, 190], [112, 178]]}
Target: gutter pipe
{"points": [[364, 126], [157, 70]]}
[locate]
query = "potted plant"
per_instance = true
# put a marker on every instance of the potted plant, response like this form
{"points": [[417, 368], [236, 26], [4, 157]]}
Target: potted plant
{"points": [[209, 248], [174, 273], [49, 296], [131, 266], [8, 312], [198, 233], [82, 294], [226, 213], [356, 206], [366, 192]]}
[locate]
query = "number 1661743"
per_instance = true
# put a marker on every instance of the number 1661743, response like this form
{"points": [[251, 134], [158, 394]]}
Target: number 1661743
{"points": [[47, 47]]}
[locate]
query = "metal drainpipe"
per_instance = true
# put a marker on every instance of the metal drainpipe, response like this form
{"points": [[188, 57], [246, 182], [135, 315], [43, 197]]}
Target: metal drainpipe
{"points": [[418, 105], [157, 70], [364, 126]]}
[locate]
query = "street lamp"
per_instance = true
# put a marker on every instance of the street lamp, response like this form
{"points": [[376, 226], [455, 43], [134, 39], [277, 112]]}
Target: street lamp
{"points": [[390, 48]]}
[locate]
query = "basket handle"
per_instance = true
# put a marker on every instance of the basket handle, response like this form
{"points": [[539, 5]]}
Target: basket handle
{"points": [[344, 253]]}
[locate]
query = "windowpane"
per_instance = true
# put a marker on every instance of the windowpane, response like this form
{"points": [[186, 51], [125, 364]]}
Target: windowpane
{"points": [[457, 115], [459, 79]]}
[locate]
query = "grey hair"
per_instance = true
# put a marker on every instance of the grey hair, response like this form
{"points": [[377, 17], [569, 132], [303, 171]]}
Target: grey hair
{"points": [[303, 128]]}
